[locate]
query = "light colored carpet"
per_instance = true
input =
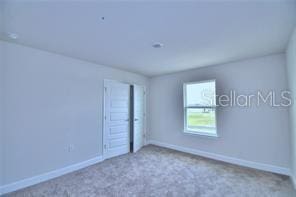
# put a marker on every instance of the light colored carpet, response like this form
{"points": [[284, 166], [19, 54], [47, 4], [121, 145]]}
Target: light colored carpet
{"points": [[156, 171]]}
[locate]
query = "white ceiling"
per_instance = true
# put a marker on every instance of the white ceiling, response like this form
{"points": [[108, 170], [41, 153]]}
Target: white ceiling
{"points": [[194, 34]]}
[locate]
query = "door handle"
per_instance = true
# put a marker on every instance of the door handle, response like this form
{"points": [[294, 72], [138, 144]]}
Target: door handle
{"points": [[136, 119]]}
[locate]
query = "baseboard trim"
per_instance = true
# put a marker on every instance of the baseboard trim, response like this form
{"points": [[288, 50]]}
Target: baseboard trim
{"points": [[232, 160], [47, 176], [62, 171]]}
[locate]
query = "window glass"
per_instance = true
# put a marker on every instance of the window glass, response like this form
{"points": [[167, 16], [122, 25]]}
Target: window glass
{"points": [[200, 108]]}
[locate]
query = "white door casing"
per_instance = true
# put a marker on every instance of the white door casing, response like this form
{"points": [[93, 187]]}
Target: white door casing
{"points": [[116, 137], [139, 117]]}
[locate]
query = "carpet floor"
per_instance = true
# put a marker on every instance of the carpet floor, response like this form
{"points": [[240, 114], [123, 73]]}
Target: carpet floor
{"points": [[156, 171]]}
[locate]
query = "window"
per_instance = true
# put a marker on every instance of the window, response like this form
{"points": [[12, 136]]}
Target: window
{"points": [[200, 108]]}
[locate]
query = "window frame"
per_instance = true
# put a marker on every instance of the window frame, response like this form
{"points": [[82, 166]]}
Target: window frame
{"points": [[185, 108]]}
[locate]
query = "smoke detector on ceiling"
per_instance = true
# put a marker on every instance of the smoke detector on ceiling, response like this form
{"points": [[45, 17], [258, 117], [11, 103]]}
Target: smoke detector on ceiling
{"points": [[157, 45]]}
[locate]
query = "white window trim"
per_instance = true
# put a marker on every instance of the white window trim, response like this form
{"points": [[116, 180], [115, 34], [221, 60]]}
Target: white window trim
{"points": [[196, 133]]}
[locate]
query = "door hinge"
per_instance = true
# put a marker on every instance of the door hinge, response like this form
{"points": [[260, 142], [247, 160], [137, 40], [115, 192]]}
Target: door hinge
{"points": [[105, 146], [105, 89], [105, 117]]}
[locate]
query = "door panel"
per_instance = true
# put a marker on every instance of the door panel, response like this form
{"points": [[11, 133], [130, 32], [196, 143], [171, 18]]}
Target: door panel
{"points": [[117, 123], [119, 116], [139, 117]]}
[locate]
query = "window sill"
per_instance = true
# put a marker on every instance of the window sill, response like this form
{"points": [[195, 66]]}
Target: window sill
{"points": [[196, 133]]}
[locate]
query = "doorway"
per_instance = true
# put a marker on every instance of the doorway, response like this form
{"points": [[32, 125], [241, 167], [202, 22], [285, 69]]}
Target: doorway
{"points": [[138, 116], [124, 118]]}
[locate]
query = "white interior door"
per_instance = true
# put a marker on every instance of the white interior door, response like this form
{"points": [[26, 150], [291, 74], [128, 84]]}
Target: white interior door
{"points": [[139, 117], [116, 123]]}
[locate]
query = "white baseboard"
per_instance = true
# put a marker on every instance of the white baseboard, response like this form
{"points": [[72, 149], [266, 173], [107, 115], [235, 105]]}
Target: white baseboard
{"points": [[47, 176], [232, 160], [59, 172]]}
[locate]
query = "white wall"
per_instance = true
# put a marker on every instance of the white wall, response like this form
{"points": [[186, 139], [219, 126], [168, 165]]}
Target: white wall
{"points": [[257, 134], [1, 112], [291, 68], [52, 101], [1, 92]]}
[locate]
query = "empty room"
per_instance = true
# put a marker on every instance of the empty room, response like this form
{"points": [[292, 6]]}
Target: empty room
{"points": [[148, 98]]}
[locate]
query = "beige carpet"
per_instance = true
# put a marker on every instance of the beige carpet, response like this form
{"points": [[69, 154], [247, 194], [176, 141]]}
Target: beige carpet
{"points": [[155, 171]]}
